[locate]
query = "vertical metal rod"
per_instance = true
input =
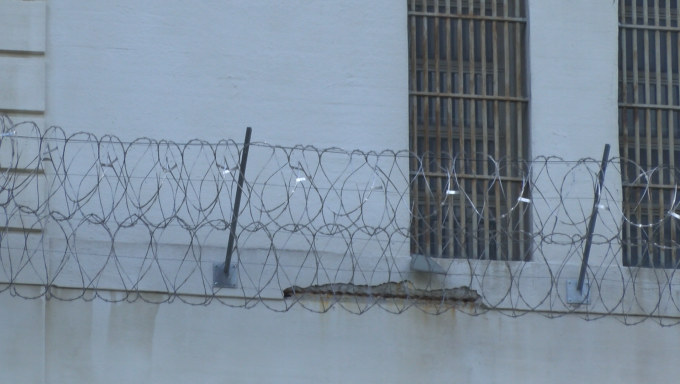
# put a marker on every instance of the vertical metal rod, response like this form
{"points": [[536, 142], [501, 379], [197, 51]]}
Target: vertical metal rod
{"points": [[593, 218], [237, 201]]}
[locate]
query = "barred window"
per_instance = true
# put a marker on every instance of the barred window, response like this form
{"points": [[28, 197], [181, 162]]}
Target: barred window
{"points": [[468, 128], [649, 130]]}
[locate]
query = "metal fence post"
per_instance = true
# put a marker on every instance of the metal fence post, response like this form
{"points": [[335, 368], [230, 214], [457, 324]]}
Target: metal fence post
{"points": [[224, 275], [581, 296]]}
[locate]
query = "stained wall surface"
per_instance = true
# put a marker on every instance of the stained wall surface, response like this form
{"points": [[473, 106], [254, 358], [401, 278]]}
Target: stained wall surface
{"points": [[299, 72], [100, 342]]}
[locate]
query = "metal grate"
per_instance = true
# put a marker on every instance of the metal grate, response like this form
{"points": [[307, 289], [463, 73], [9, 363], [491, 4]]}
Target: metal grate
{"points": [[468, 104], [649, 130]]}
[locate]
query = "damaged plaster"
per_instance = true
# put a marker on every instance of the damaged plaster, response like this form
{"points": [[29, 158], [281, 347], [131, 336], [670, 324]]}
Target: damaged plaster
{"points": [[397, 290]]}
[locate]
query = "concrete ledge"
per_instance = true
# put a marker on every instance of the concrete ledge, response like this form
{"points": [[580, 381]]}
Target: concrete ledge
{"points": [[532, 286]]}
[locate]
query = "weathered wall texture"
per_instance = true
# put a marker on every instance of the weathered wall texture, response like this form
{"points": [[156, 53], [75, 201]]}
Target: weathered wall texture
{"points": [[574, 110], [299, 72], [22, 60], [99, 342]]}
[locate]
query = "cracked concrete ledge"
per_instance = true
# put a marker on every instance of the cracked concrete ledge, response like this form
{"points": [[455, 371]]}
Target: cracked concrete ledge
{"points": [[397, 290]]}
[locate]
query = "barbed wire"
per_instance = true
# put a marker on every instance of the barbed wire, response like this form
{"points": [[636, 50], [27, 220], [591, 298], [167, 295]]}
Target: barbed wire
{"points": [[82, 215]]}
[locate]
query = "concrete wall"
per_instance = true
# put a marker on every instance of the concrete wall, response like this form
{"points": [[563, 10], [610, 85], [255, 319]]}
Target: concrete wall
{"points": [[299, 72], [574, 113], [100, 342]]}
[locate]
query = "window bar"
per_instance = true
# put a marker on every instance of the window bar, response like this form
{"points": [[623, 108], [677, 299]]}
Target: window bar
{"points": [[414, 137], [624, 132], [671, 126], [508, 124], [637, 154], [470, 105], [426, 131], [624, 89], [643, 106], [461, 140], [659, 128], [520, 122], [626, 192], [473, 131], [648, 129], [496, 128], [485, 129], [654, 113], [438, 124], [449, 122]]}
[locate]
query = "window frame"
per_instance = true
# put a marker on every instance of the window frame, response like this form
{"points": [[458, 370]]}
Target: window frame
{"points": [[502, 133]]}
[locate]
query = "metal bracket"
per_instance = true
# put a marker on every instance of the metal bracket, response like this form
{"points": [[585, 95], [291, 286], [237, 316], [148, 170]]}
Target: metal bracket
{"points": [[221, 280], [576, 297], [424, 263]]}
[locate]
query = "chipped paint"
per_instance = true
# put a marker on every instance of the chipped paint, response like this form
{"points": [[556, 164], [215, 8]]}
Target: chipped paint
{"points": [[396, 290]]}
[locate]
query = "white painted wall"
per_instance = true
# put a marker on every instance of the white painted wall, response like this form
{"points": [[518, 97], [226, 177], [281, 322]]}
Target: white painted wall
{"points": [[298, 72], [100, 342], [574, 113], [326, 74], [574, 72]]}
